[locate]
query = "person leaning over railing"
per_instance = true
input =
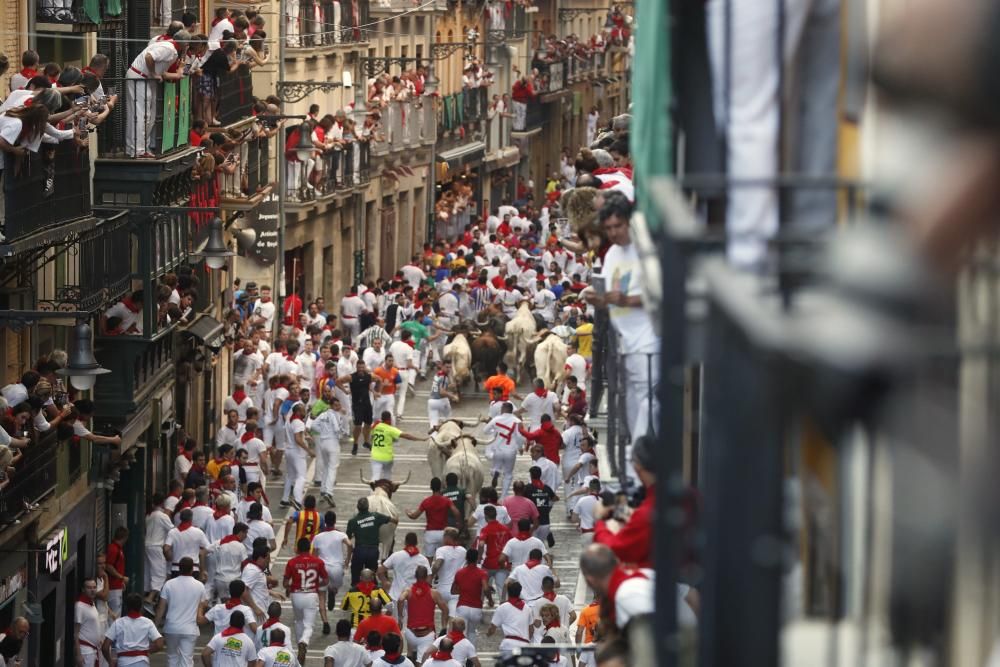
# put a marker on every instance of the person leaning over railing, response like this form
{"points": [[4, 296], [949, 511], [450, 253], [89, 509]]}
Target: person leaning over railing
{"points": [[151, 65]]}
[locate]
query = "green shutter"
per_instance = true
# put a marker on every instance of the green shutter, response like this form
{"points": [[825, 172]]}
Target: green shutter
{"points": [[651, 94], [92, 8], [169, 135]]}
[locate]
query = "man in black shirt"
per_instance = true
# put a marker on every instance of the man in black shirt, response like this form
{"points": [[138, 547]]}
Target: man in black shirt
{"points": [[457, 497], [543, 496], [363, 528], [12, 640], [358, 385]]}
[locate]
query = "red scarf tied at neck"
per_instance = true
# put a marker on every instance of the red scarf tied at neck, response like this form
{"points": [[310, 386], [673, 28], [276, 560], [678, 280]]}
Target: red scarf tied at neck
{"points": [[134, 614], [550, 596], [232, 603], [229, 538], [366, 587], [269, 622], [532, 564], [219, 514], [413, 551], [229, 632], [523, 534], [516, 602], [538, 484], [184, 526], [85, 600], [441, 655], [456, 637], [541, 392], [239, 396]]}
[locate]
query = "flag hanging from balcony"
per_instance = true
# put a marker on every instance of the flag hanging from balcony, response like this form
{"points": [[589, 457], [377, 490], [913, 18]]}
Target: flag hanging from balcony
{"points": [[113, 7], [651, 93], [92, 8]]}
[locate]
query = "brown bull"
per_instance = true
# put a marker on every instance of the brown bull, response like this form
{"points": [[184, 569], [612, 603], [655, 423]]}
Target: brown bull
{"points": [[487, 352]]}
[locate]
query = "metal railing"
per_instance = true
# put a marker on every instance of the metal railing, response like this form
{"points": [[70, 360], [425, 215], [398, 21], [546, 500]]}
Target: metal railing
{"points": [[337, 171], [329, 22], [46, 188], [383, 6], [498, 133], [79, 11], [551, 76], [254, 170], [234, 96], [530, 116], [510, 18], [404, 125], [152, 118], [35, 476]]}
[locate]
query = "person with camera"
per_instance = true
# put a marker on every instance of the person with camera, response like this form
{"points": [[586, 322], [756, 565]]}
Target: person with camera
{"points": [[632, 542]]}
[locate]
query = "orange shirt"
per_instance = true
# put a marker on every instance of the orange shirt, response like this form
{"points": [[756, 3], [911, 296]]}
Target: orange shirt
{"points": [[588, 618], [388, 377], [505, 383]]}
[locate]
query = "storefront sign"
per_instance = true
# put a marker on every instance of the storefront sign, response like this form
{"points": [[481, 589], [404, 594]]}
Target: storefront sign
{"points": [[56, 552], [10, 585], [264, 224]]}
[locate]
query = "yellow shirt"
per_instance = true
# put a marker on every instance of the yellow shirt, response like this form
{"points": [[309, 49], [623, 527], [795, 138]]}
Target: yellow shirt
{"points": [[384, 436], [359, 604], [585, 340], [435, 260]]}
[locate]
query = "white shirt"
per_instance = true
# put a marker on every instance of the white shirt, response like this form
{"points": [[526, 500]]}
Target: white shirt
{"points": [[132, 634], [329, 546], [545, 301], [622, 271], [128, 317], [255, 447], [505, 432], [256, 582], [517, 550], [215, 35], [513, 622], [164, 55], [87, 616], [634, 598], [219, 528], [443, 663], [274, 362], [229, 436], [201, 516], [379, 662], [373, 358], [182, 466], [402, 354], [327, 426], [462, 651], [264, 634], [585, 510], [219, 615], [571, 442], [243, 508], [347, 654], [352, 306], [413, 274], [307, 367], [265, 311], [550, 472], [258, 528], [241, 408], [183, 595], [565, 607], [278, 656], [186, 544], [577, 366], [233, 651], [158, 525], [531, 580], [293, 428], [453, 559], [534, 407], [229, 559], [404, 568], [480, 517], [14, 393]]}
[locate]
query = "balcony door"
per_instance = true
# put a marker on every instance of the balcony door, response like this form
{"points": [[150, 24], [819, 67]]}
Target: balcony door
{"points": [[387, 254]]}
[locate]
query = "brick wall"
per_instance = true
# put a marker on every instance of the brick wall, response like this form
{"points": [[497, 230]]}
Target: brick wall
{"points": [[13, 23]]}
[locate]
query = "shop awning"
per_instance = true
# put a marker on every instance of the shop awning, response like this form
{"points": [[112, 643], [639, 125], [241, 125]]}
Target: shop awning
{"points": [[208, 330], [469, 153]]}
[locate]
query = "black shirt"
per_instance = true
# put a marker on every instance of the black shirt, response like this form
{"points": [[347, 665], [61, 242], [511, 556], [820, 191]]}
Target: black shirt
{"points": [[542, 497], [360, 387], [457, 497]]}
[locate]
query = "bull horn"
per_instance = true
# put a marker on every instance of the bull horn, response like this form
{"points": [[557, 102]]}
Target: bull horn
{"points": [[363, 480], [503, 338], [408, 473]]}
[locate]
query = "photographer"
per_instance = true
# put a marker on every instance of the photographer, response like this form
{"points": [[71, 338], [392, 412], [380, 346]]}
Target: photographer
{"points": [[632, 542]]}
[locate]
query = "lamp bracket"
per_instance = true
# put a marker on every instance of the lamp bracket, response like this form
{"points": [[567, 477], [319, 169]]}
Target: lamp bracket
{"points": [[293, 91]]}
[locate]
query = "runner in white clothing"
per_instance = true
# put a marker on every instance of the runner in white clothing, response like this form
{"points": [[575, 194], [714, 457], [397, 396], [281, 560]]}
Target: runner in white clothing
{"points": [[132, 637], [334, 548], [232, 647], [507, 442], [540, 402]]}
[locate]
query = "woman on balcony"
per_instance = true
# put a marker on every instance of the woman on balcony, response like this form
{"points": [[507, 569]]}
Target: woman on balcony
{"points": [[21, 130], [221, 61]]}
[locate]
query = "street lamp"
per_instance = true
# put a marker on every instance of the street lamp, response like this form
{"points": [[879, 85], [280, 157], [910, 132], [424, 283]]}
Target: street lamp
{"points": [[305, 148], [82, 368], [430, 89], [215, 251]]}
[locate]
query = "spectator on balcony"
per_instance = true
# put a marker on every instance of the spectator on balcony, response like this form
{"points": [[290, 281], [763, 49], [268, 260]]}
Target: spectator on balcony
{"points": [[29, 69], [191, 23], [129, 312], [593, 118], [173, 28], [199, 129], [98, 67], [18, 392], [221, 61], [141, 91], [83, 412], [220, 25]]}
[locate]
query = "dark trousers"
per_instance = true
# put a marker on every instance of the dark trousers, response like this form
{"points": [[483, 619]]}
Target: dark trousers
{"points": [[601, 354], [363, 557]]}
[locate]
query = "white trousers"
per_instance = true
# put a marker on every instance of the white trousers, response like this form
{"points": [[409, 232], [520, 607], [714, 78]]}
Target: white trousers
{"points": [[383, 403], [327, 462], [418, 645], [155, 574], [305, 606], [473, 617], [140, 105], [115, 602], [268, 431], [409, 378], [180, 649], [433, 539], [253, 473], [295, 476], [504, 458], [381, 470], [499, 578], [438, 410], [749, 112], [350, 327]]}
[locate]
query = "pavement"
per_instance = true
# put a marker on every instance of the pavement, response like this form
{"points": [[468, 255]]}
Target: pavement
{"points": [[411, 457]]}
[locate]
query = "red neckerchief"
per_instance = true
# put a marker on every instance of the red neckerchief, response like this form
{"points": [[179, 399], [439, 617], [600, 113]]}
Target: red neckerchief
{"points": [[230, 538], [184, 526], [410, 343], [174, 495], [219, 514], [294, 417], [85, 600], [279, 644], [541, 392], [239, 396], [538, 484], [201, 504], [456, 637], [413, 551], [390, 657], [229, 632], [131, 306], [134, 614], [269, 622], [516, 602], [523, 535], [550, 596], [28, 73], [88, 70], [232, 603], [441, 655], [366, 587], [531, 564], [247, 437], [553, 624], [190, 457]]}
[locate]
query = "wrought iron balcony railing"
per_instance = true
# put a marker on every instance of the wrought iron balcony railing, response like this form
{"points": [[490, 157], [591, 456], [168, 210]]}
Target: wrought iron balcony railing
{"points": [[34, 478], [152, 118], [328, 23], [397, 6], [46, 188], [405, 125], [79, 12], [255, 172]]}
